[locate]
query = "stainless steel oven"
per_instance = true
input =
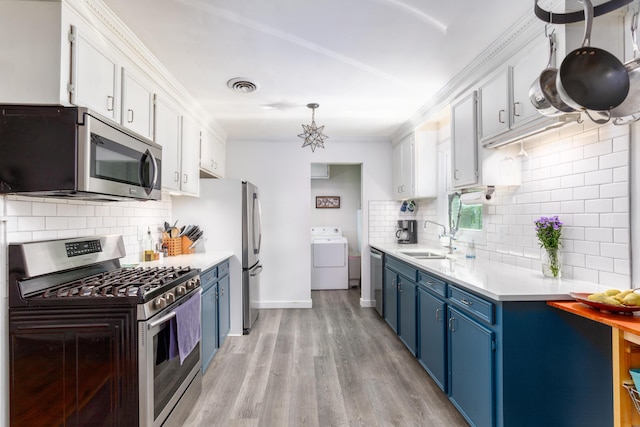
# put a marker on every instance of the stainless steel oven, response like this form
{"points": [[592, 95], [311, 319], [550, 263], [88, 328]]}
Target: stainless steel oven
{"points": [[90, 342], [164, 380]]}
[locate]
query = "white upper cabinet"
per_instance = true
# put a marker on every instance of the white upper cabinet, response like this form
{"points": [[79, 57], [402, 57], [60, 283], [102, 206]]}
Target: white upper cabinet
{"points": [[212, 155], [504, 97], [464, 142], [495, 104], [167, 134], [94, 74], [137, 103], [415, 165], [523, 73], [190, 157], [403, 168], [472, 165]]}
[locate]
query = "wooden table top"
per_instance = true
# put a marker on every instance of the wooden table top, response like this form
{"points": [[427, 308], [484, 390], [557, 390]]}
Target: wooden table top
{"points": [[625, 322]]}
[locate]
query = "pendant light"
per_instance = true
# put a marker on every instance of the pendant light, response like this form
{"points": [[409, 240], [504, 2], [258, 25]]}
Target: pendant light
{"points": [[313, 135]]}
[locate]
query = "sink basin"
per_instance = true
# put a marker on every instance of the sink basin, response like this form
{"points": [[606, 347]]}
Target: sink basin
{"points": [[424, 254]]}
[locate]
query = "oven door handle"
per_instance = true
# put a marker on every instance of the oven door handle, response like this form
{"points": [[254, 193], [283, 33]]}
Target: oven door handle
{"points": [[162, 320], [166, 317]]}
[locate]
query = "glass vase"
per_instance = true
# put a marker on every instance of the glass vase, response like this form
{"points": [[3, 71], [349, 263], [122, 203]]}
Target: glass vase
{"points": [[551, 261]]}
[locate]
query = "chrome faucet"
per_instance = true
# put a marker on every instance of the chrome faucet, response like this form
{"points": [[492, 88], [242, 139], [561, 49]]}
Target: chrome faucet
{"points": [[451, 234], [444, 229]]}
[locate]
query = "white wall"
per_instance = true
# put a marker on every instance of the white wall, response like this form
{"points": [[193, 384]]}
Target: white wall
{"points": [[282, 171], [345, 182]]}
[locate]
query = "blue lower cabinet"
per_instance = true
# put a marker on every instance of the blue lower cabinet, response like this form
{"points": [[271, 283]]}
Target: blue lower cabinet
{"points": [[216, 320], [209, 324], [391, 299], [471, 369], [432, 337], [407, 313], [502, 363]]}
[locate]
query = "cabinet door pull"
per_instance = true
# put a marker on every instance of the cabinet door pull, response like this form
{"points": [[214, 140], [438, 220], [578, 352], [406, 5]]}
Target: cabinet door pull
{"points": [[500, 113], [176, 176], [451, 328], [399, 286], [465, 302], [185, 178], [222, 291], [438, 317], [393, 284], [455, 174], [130, 115], [109, 103], [515, 109]]}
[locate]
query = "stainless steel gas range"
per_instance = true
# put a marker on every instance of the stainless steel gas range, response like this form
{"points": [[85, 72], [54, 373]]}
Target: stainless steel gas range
{"points": [[94, 343]]}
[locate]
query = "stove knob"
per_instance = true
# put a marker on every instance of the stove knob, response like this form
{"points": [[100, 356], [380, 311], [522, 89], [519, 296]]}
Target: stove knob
{"points": [[197, 281], [191, 284], [181, 290], [160, 302], [170, 297]]}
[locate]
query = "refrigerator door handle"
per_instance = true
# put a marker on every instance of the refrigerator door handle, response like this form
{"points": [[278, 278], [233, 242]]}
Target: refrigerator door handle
{"points": [[255, 271], [257, 222]]}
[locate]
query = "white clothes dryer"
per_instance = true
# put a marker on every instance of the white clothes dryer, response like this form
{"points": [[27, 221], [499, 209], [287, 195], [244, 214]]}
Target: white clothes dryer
{"points": [[329, 259]]}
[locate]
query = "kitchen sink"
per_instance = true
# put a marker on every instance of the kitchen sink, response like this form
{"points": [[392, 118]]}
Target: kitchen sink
{"points": [[424, 254]]}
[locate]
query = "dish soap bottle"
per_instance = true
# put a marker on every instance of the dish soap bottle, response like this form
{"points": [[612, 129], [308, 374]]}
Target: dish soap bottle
{"points": [[471, 250]]}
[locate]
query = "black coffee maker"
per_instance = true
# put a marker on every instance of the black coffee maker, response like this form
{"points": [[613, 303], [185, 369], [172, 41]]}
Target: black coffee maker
{"points": [[407, 231]]}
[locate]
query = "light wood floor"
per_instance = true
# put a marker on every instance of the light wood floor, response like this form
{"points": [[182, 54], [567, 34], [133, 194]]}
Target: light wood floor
{"points": [[334, 365]]}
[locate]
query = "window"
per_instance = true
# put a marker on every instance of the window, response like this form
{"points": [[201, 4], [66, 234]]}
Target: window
{"points": [[462, 216], [471, 217]]}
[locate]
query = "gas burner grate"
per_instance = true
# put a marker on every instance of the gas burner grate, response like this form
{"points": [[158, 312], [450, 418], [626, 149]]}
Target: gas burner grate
{"points": [[123, 282]]}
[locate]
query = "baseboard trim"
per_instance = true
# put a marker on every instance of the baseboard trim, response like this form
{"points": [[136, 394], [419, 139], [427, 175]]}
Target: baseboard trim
{"points": [[285, 304], [367, 303]]}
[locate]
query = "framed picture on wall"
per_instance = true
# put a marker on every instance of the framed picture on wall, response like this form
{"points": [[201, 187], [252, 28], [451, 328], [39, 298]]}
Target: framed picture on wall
{"points": [[327, 202]]}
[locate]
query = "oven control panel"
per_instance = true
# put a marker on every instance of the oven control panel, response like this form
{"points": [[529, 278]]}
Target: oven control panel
{"points": [[83, 248]]}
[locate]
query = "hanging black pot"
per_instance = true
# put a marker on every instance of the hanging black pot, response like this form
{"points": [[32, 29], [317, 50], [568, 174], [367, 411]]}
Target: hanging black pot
{"points": [[590, 78]]}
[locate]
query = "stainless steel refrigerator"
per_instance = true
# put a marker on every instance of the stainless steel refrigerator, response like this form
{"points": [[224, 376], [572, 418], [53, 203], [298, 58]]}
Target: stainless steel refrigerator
{"points": [[228, 211]]}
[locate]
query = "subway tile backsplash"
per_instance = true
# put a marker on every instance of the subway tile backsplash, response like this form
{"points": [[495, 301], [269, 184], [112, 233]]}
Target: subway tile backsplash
{"points": [[581, 174], [30, 219]]}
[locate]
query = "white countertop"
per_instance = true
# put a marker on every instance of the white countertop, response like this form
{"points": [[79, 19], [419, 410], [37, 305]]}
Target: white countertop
{"points": [[201, 260], [495, 280]]}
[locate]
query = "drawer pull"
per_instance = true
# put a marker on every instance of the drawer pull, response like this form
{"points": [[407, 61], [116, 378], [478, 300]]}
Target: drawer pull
{"points": [[432, 284], [465, 302]]}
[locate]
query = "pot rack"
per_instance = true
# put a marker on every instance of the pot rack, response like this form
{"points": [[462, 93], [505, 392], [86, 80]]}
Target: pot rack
{"points": [[571, 17]]}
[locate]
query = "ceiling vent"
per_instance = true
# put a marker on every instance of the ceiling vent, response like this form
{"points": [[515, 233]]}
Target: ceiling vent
{"points": [[242, 85]]}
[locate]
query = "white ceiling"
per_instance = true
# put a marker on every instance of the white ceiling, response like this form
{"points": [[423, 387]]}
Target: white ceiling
{"points": [[370, 64]]}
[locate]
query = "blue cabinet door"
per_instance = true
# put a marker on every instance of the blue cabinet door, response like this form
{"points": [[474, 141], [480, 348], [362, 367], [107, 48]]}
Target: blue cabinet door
{"points": [[224, 319], [432, 333], [471, 369], [407, 312], [391, 299], [209, 325]]}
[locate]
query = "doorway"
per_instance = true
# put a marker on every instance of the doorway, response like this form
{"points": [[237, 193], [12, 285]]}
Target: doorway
{"points": [[336, 201]]}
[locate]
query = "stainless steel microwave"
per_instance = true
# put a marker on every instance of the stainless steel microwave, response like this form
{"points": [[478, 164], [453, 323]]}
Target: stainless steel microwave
{"points": [[54, 151]]}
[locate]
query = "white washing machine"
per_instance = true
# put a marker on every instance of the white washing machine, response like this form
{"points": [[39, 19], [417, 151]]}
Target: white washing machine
{"points": [[329, 259]]}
